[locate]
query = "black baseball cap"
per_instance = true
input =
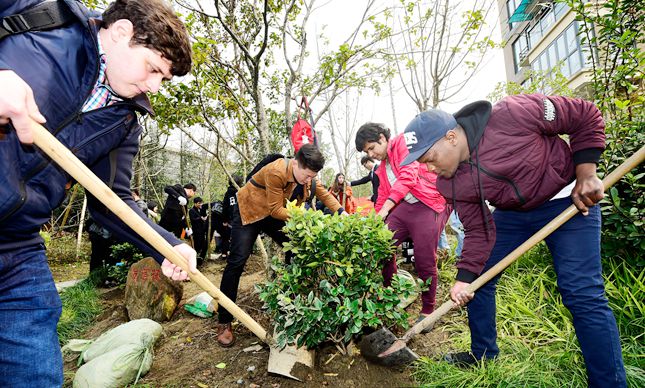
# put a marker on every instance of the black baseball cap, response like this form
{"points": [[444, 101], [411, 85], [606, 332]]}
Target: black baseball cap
{"points": [[424, 130]]}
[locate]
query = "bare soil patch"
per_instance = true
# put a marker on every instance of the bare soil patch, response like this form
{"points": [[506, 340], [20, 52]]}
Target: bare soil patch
{"points": [[187, 354]]}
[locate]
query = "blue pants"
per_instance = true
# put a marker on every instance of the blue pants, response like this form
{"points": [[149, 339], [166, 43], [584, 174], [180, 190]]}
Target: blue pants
{"points": [[575, 248], [29, 310], [458, 228]]}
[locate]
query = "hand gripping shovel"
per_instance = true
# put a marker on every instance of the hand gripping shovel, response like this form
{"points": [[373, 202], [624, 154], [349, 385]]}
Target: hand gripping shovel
{"points": [[383, 347], [73, 166]]}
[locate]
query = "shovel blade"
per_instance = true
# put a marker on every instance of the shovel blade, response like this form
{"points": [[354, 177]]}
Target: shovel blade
{"points": [[292, 362], [372, 345]]}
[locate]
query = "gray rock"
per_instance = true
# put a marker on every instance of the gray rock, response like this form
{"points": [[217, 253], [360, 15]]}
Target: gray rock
{"points": [[150, 294]]}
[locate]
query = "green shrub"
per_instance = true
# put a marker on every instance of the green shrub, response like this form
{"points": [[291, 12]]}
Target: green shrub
{"points": [[623, 209], [333, 288], [614, 29], [125, 255]]}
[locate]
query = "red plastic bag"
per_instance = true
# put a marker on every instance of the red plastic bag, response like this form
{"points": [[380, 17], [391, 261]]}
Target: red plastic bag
{"points": [[302, 132]]}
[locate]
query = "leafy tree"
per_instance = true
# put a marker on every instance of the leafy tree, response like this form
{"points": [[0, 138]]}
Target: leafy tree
{"points": [[615, 29], [441, 47]]}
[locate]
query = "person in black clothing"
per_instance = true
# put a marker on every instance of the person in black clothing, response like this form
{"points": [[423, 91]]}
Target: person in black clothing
{"points": [[173, 216], [199, 226], [229, 202], [370, 166], [101, 241]]}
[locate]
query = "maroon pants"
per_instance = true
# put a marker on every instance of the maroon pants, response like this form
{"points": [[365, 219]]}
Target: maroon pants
{"points": [[423, 225]]}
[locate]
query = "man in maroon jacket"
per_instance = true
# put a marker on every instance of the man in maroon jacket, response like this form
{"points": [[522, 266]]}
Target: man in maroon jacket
{"points": [[511, 155]]}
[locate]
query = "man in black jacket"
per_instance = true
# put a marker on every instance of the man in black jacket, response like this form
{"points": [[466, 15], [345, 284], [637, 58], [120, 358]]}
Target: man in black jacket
{"points": [[199, 227], [173, 216], [370, 166], [227, 214]]}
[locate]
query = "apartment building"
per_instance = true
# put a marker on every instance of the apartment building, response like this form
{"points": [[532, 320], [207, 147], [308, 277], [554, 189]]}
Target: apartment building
{"points": [[540, 35]]}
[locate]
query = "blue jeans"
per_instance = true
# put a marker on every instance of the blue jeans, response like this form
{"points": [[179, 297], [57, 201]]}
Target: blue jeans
{"points": [[575, 248], [29, 310], [458, 228]]}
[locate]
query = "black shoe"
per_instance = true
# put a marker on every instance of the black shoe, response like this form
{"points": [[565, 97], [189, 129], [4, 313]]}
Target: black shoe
{"points": [[461, 359]]}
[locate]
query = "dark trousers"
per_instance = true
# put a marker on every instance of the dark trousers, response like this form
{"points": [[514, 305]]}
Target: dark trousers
{"points": [[224, 245], [101, 250], [242, 239], [575, 248], [199, 238], [423, 225]]}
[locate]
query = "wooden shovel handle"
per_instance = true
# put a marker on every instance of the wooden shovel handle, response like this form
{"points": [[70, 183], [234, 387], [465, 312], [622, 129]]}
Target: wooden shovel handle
{"points": [[540, 235], [74, 167]]}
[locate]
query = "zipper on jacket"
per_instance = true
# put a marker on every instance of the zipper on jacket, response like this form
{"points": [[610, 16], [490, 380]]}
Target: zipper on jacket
{"points": [[504, 179], [90, 139], [23, 199]]}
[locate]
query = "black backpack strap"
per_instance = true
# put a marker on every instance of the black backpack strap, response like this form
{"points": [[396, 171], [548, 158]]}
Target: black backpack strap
{"points": [[44, 16]]}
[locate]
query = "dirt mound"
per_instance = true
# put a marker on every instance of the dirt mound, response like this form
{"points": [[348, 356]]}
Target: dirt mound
{"points": [[187, 354]]}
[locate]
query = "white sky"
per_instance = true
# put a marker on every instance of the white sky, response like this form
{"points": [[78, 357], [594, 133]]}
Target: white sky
{"points": [[341, 17]]}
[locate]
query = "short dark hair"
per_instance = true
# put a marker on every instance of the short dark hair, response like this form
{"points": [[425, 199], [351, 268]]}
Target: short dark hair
{"points": [[190, 186], [197, 200], [157, 27], [152, 205], [366, 159], [370, 132], [309, 156]]}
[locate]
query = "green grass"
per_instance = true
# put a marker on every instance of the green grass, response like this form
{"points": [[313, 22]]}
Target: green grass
{"points": [[538, 347], [81, 305]]}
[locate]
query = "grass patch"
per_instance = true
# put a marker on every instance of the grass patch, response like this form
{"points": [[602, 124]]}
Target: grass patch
{"points": [[61, 249], [538, 347], [81, 305]]}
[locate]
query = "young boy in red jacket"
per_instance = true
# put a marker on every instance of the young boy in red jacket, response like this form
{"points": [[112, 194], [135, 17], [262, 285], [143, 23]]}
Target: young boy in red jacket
{"points": [[511, 155], [407, 199]]}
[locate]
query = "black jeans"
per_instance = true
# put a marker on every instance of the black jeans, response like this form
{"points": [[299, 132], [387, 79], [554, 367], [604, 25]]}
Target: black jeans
{"points": [[199, 238], [242, 239]]}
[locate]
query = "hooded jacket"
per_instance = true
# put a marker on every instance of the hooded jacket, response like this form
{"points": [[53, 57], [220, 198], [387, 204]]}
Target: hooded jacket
{"points": [[518, 161], [413, 178], [61, 67]]}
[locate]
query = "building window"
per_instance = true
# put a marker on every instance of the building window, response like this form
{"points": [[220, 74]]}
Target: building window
{"points": [[520, 51], [511, 6], [565, 50], [545, 20]]}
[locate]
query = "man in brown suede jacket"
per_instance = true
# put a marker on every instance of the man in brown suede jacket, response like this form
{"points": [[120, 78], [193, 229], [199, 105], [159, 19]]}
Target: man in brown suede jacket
{"points": [[261, 207]]}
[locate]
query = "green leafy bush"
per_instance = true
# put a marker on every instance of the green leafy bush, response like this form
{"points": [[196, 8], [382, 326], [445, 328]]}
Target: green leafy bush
{"points": [[623, 209], [333, 288], [125, 255], [614, 29]]}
